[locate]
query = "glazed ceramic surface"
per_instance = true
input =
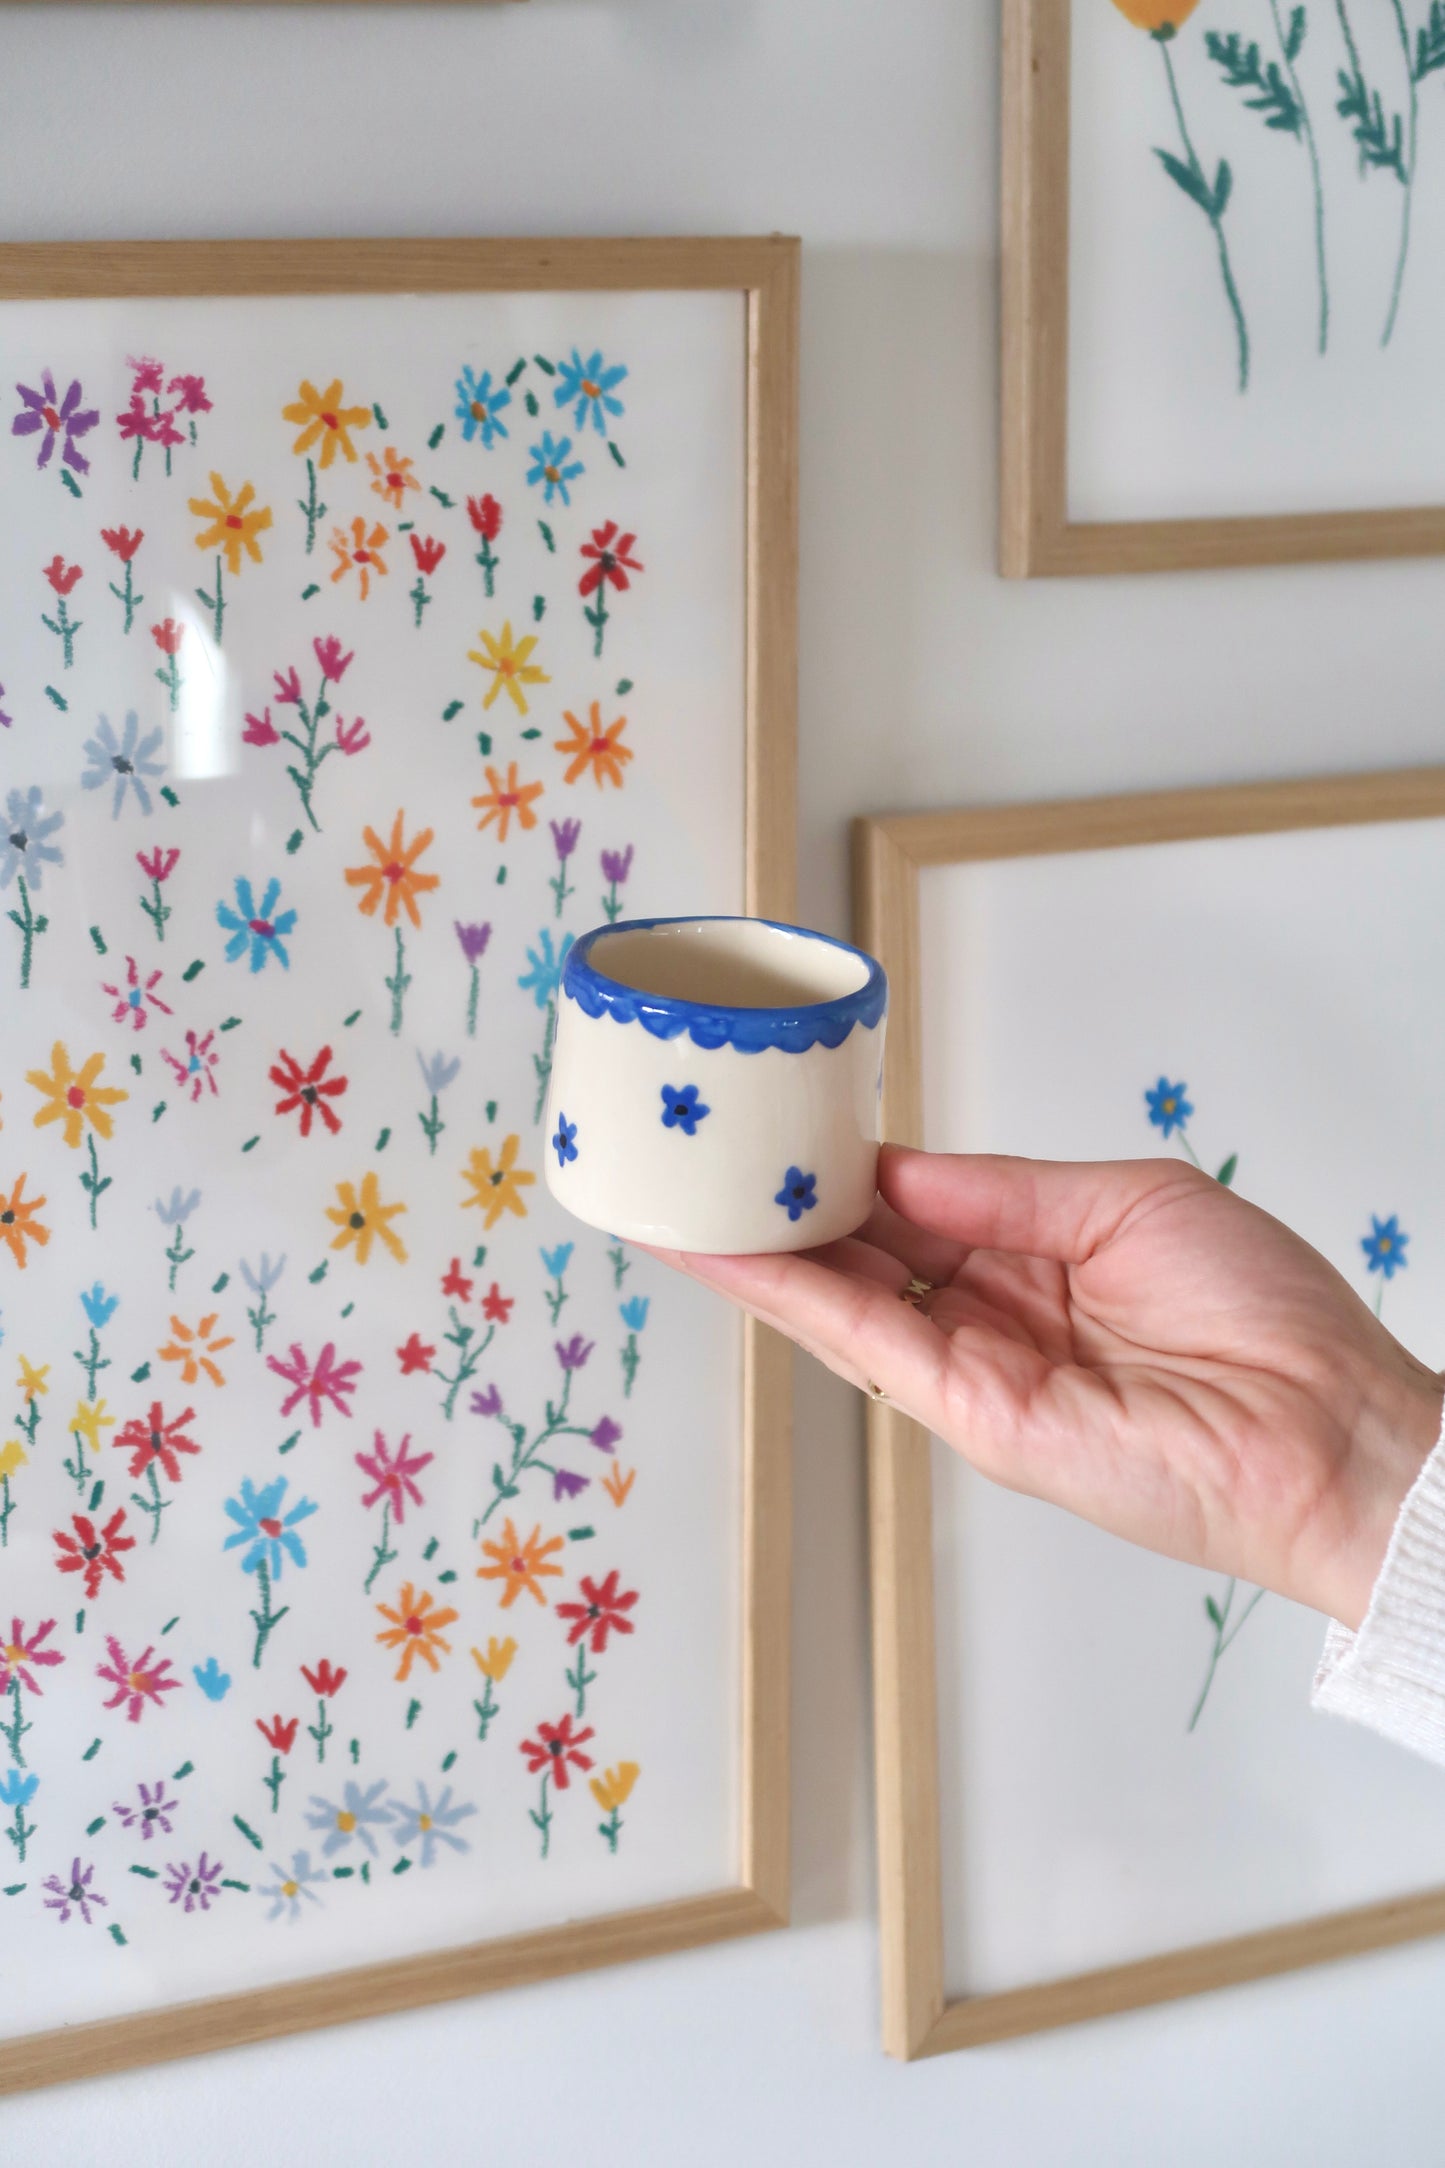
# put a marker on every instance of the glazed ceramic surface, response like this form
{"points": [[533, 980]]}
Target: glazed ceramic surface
{"points": [[715, 1084]]}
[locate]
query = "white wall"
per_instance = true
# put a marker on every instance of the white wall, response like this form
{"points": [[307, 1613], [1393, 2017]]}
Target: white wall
{"points": [[868, 127]]}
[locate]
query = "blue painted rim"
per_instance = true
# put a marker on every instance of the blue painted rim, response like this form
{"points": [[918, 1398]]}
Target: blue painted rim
{"points": [[792, 1030]]}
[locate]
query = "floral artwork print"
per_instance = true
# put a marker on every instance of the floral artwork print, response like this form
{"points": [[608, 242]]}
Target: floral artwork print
{"points": [[350, 1568]]}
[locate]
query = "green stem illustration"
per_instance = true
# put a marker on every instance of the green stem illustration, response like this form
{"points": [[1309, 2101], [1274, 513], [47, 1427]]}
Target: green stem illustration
{"points": [[15, 1730], [620, 1264], [321, 1730], [215, 603], [461, 1337], [1289, 46], [76, 1469], [94, 1183], [170, 677], [305, 778], [631, 1357], [266, 1620], [486, 1709], [1212, 200], [611, 1829], [150, 1501], [1224, 1635], [312, 506], [62, 625], [432, 1125], [382, 1553], [260, 1318], [612, 903], [7, 1507], [541, 1814], [525, 1456], [127, 595], [178, 1255], [1412, 132], [579, 1678], [397, 985], [472, 992], [274, 1781], [156, 910], [30, 925], [20, 1832]]}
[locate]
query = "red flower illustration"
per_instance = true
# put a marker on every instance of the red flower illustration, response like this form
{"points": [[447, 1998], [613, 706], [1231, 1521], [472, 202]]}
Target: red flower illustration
{"points": [[157, 865], [151, 1438], [136, 1682], [61, 576], [554, 1747], [131, 998], [496, 1305], [198, 1067], [125, 541], [485, 515], [416, 1355], [308, 1089], [330, 1380], [603, 1610], [334, 665], [18, 1653], [609, 554], [91, 1552], [168, 636], [428, 553], [394, 1472], [260, 730], [288, 686], [455, 1282], [326, 1679], [280, 1735], [352, 737]]}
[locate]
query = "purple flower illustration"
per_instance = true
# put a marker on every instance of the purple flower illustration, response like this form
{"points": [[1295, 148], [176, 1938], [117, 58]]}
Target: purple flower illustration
{"points": [[151, 1811], [196, 1888], [41, 411], [474, 941], [5, 720], [564, 836], [76, 1895], [606, 1434], [567, 1485], [573, 1353], [616, 865], [487, 1403]]}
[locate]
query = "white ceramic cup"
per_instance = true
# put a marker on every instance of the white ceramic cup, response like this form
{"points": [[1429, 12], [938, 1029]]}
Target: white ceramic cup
{"points": [[715, 1084]]}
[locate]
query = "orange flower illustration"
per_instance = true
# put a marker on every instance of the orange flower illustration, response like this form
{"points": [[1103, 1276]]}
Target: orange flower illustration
{"points": [[195, 1348], [233, 525], [415, 1628], [18, 1224], [394, 873], [618, 1483], [393, 477], [361, 554], [498, 1188], [325, 421], [594, 747], [1156, 15], [520, 1565], [73, 1097], [501, 800]]}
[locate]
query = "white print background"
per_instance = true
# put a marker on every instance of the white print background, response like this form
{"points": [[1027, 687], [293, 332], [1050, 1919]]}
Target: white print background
{"points": [[1293, 982], [668, 1696], [1157, 426]]}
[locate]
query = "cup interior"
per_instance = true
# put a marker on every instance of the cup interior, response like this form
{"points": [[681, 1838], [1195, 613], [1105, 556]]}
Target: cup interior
{"points": [[733, 963]]}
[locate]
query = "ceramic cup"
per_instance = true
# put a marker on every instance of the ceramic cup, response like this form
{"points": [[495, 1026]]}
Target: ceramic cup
{"points": [[715, 1084]]}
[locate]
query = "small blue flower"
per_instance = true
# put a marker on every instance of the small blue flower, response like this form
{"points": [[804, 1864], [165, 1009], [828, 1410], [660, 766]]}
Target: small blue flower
{"points": [[1385, 1247], [479, 402], [1168, 1108], [291, 1885], [563, 1143], [590, 385], [178, 1209], [259, 929], [799, 1192], [16, 1790], [263, 1277], [214, 1683], [556, 1261], [259, 1523], [126, 761], [545, 976], [438, 1072], [359, 1813], [23, 833], [682, 1109], [552, 467], [633, 1312], [99, 1307], [429, 1823]]}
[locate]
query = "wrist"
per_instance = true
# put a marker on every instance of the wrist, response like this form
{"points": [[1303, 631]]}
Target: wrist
{"points": [[1398, 1428]]}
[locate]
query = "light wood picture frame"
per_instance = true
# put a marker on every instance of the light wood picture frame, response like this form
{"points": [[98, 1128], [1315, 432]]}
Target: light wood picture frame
{"points": [[763, 275], [891, 854], [1038, 537]]}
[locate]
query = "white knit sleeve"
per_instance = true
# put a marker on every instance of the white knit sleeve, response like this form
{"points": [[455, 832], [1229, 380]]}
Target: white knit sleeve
{"points": [[1390, 1674]]}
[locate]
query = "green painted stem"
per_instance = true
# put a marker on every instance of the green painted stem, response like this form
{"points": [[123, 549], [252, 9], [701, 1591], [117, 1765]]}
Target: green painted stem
{"points": [[1307, 126], [1226, 269], [1411, 154]]}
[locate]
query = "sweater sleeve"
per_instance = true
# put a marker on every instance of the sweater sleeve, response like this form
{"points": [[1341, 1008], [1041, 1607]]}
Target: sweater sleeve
{"points": [[1390, 1674]]}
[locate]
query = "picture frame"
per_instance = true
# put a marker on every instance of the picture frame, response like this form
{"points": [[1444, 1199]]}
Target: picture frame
{"points": [[1039, 535], [762, 275], [892, 854]]}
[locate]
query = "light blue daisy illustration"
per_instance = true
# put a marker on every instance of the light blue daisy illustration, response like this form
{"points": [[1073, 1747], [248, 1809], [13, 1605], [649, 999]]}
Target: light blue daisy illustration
{"points": [[258, 928], [428, 1824], [554, 466], [479, 402], [128, 761], [588, 387]]}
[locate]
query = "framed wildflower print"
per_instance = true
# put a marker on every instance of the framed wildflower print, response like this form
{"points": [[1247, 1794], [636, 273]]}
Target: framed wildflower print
{"points": [[394, 1574], [1100, 1782], [1219, 325]]}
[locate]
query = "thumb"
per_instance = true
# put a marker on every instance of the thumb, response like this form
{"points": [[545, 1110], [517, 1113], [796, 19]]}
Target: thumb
{"points": [[1062, 1209]]}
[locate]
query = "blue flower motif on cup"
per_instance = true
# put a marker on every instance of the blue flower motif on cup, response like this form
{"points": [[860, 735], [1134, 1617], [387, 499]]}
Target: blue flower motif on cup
{"points": [[1385, 1245], [564, 1144], [799, 1192], [1168, 1108], [682, 1109]]}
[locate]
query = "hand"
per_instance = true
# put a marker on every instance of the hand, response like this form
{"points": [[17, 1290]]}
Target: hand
{"points": [[1134, 1343]]}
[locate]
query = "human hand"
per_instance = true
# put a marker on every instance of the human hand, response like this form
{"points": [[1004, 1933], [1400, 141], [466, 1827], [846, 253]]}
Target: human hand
{"points": [[1132, 1342]]}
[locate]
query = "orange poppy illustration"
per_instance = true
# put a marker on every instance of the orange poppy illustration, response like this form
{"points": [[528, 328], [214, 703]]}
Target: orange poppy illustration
{"points": [[520, 1565], [393, 874], [592, 746], [18, 1224], [359, 553], [195, 1348], [501, 800], [393, 477], [415, 1628]]}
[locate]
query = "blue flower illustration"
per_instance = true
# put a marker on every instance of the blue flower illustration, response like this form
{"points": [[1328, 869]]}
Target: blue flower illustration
{"points": [[556, 1261], [587, 386], [1168, 1108], [429, 1823], [128, 761], [359, 1813], [633, 1312], [24, 833], [564, 1144], [258, 928], [214, 1683], [16, 1790], [545, 977], [262, 1277], [438, 1072], [1385, 1246], [799, 1192], [291, 1885], [99, 1307], [682, 1109], [552, 468], [175, 1211], [479, 402], [260, 1524]]}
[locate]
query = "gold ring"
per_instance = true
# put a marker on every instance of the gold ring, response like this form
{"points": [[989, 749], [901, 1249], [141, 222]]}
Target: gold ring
{"points": [[876, 1392], [916, 1292]]}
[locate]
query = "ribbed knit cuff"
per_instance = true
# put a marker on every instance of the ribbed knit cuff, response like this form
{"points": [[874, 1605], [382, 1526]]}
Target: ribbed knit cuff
{"points": [[1390, 1675]]}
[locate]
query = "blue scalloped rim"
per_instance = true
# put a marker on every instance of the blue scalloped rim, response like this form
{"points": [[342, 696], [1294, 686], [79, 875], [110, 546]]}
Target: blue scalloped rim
{"points": [[793, 1031]]}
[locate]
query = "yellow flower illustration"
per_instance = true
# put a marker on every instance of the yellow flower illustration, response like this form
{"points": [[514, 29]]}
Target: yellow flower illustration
{"points": [[89, 1420], [498, 1188], [73, 1096], [415, 1628], [195, 1348], [325, 421], [508, 662], [595, 747], [31, 1381], [12, 1457], [520, 1565], [360, 554], [393, 477], [1156, 15], [613, 1788], [364, 1219], [233, 525], [498, 1660]]}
